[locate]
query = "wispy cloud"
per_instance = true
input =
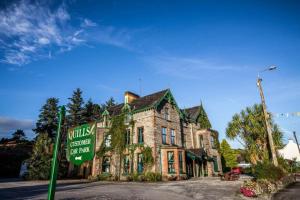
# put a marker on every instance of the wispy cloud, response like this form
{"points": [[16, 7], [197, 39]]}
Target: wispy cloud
{"points": [[107, 87], [186, 67], [30, 31], [9, 125]]}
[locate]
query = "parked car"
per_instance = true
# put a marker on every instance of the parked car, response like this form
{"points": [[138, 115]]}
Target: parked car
{"points": [[236, 170]]}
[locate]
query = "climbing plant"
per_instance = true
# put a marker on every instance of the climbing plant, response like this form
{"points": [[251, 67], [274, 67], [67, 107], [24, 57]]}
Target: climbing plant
{"points": [[147, 157], [203, 118]]}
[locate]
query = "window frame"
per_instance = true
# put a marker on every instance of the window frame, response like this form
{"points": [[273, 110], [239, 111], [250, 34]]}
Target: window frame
{"points": [[105, 165], [166, 113], [180, 159], [164, 135], [126, 165], [173, 137], [171, 163], [127, 137], [140, 135], [107, 141], [140, 163], [200, 138], [212, 142]]}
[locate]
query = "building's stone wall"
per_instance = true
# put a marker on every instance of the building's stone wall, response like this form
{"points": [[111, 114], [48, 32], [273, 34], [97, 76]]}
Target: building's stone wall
{"points": [[152, 121]]}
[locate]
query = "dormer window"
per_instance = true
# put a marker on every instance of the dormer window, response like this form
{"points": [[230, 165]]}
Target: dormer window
{"points": [[166, 114]]}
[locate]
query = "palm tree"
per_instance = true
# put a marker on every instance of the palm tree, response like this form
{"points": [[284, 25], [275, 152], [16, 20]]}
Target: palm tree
{"points": [[250, 127]]}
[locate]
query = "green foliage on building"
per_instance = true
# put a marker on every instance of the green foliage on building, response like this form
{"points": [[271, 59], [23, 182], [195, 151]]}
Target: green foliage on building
{"points": [[203, 118], [228, 156]]}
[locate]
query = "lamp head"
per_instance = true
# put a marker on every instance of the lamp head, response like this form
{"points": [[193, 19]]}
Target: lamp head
{"points": [[272, 67]]}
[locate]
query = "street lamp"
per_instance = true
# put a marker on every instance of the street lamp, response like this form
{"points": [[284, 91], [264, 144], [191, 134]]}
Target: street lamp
{"points": [[266, 115]]}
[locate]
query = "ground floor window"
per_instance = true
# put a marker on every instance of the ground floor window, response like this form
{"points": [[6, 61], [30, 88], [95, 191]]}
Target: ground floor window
{"points": [[216, 167], [171, 167], [180, 162], [126, 165], [106, 164], [140, 167]]}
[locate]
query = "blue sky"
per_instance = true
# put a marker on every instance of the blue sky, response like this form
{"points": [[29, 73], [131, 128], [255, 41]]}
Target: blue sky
{"points": [[209, 51]]}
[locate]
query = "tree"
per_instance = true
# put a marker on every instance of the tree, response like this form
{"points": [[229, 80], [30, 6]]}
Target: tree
{"points": [[109, 103], [250, 127], [229, 156], [18, 135], [40, 161], [91, 111], [48, 118], [203, 118], [75, 109]]}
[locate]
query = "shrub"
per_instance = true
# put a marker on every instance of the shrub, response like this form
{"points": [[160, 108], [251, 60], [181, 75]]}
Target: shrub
{"points": [[268, 171], [142, 178], [93, 178], [152, 176], [183, 177], [172, 178], [104, 177], [266, 186], [129, 177]]}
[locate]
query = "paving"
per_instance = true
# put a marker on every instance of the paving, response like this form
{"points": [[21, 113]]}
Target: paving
{"points": [[206, 188]]}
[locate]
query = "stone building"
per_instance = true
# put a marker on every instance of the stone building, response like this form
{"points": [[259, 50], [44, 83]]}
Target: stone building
{"points": [[180, 148]]}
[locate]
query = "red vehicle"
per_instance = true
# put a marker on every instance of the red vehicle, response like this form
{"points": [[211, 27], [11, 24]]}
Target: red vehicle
{"points": [[236, 170]]}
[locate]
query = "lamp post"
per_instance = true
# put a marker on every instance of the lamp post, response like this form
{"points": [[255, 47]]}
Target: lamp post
{"points": [[267, 117]]}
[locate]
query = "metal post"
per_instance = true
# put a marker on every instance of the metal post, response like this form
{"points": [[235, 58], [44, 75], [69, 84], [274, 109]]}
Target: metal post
{"points": [[294, 132], [269, 129], [54, 166]]}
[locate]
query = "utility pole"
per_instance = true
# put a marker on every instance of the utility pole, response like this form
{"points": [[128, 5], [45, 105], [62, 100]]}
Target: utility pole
{"points": [[294, 132], [269, 129]]}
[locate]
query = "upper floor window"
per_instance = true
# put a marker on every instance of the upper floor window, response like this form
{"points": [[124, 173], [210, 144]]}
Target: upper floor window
{"points": [[212, 142], [201, 145], [140, 135], [127, 137], [171, 165], [172, 136], [164, 135], [166, 114], [107, 141]]}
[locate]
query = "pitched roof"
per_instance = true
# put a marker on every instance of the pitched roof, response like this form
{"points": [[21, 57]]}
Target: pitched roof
{"points": [[193, 112], [140, 103]]}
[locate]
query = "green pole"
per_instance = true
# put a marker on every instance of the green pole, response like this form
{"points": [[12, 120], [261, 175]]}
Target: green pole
{"points": [[54, 166]]}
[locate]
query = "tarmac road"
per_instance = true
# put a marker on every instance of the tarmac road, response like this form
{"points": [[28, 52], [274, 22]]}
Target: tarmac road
{"points": [[207, 188]]}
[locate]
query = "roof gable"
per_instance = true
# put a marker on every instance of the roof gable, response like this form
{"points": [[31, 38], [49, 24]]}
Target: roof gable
{"points": [[146, 102]]}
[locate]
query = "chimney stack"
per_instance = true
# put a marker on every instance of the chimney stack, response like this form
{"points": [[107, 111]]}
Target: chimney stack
{"points": [[130, 97]]}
